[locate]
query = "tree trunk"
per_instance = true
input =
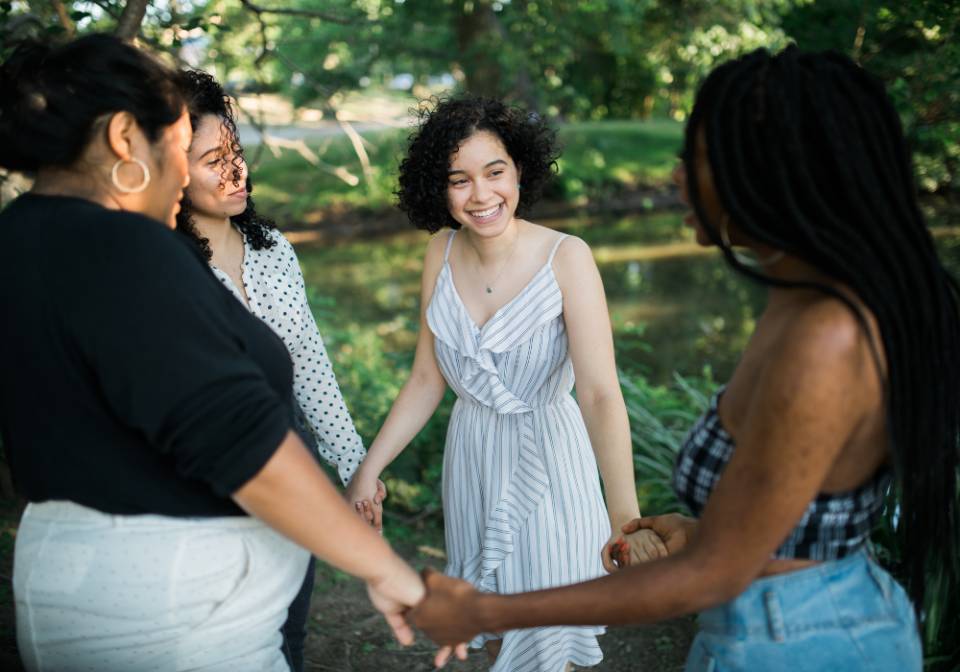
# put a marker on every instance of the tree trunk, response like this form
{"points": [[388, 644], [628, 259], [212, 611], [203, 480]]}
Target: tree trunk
{"points": [[130, 19], [65, 20], [477, 42]]}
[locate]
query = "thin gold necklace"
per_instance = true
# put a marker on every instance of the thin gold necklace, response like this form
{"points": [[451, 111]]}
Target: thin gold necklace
{"points": [[489, 286]]}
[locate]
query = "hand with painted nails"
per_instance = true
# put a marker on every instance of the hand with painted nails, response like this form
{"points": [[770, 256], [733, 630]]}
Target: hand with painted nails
{"points": [[673, 530], [624, 550], [366, 496]]}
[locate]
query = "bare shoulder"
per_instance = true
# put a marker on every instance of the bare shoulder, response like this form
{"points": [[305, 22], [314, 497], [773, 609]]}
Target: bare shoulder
{"points": [[826, 327], [436, 248], [824, 339], [433, 259], [573, 255]]}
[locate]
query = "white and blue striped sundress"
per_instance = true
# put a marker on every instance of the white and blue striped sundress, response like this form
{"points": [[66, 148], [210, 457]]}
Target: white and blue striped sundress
{"points": [[521, 492]]}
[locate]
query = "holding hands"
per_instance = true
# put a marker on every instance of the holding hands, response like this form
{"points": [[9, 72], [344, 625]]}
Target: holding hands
{"points": [[651, 538], [630, 549], [444, 617], [366, 496], [448, 610], [392, 595], [448, 614], [646, 539]]}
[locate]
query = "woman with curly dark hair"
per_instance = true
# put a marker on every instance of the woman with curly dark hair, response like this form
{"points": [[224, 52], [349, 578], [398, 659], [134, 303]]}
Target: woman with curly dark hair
{"points": [[259, 266], [512, 313]]}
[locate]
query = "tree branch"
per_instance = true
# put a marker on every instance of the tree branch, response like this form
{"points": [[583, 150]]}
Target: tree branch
{"points": [[107, 8], [309, 13], [64, 18], [130, 19]]}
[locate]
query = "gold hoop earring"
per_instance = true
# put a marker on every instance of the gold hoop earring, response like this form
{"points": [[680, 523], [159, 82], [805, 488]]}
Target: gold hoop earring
{"points": [[114, 176], [742, 258]]}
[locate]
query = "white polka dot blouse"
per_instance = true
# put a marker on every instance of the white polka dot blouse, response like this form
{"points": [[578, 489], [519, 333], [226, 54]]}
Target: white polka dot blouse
{"points": [[277, 295]]}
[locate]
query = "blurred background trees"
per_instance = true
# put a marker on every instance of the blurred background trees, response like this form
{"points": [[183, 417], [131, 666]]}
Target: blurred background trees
{"points": [[585, 60]]}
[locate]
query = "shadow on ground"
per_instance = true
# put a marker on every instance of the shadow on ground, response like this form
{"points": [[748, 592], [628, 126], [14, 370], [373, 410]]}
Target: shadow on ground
{"points": [[346, 634]]}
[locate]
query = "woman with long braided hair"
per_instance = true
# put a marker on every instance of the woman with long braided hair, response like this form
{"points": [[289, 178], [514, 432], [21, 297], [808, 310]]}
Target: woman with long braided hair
{"points": [[796, 168]]}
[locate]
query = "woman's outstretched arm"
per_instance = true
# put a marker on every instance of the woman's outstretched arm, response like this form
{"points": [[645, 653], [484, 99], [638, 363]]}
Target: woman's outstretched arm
{"points": [[598, 393], [292, 495], [800, 417], [418, 398]]}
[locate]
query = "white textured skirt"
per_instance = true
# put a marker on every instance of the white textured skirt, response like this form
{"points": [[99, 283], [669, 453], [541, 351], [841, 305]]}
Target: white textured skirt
{"points": [[112, 593]]}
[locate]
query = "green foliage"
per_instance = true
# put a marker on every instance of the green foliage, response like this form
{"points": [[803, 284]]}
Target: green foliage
{"points": [[600, 159], [660, 417], [941, 610], [583, 60], [295, 190], [914, 47], [371, 370]]}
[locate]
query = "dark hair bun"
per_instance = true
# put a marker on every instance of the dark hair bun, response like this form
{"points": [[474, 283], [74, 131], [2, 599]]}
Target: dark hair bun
{"points": [[52, 96]]}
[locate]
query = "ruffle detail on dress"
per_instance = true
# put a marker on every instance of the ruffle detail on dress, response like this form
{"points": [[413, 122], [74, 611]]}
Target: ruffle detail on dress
{"points": [[538, 304], [522, 495]]}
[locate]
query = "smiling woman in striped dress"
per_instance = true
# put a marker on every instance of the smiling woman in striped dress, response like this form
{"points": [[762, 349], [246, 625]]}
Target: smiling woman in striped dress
{"points": [[512, 315]]}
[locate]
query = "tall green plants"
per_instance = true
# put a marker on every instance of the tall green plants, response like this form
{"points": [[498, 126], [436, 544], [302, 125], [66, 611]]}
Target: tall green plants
{"points": [[660, 417], [940, 626]]}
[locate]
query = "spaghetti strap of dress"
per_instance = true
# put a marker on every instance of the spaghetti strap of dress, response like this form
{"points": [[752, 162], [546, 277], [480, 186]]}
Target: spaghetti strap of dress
{"points": [[446, 252], [556, 246]]}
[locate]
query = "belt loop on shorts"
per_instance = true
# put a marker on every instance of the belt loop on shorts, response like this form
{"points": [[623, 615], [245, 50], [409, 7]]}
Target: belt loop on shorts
{"points": [[877, 574], [774, 616]]}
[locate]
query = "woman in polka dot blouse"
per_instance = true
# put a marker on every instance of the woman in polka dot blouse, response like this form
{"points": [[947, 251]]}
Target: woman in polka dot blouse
{"points": [[254, 260]]}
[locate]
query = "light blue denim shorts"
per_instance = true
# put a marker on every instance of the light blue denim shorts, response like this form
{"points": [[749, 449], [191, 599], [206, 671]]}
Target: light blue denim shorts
{"points": [[839, 615]]}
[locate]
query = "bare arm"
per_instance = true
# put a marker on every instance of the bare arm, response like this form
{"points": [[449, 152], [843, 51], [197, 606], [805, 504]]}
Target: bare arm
{"points": [[799, 418], [598, 389], [290, 484], [419, 396]]}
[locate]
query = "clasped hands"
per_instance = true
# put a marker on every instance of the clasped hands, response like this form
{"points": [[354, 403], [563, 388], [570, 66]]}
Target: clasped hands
{"points": [[366, 498], [645, 539], [451, 610]]}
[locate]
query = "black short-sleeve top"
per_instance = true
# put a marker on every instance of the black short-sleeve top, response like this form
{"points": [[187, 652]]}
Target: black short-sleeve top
{"points": [[132, 381]]}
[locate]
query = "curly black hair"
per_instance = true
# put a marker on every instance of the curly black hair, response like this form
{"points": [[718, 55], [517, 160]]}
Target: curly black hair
{"points": [[204, 96], [444, 125]]}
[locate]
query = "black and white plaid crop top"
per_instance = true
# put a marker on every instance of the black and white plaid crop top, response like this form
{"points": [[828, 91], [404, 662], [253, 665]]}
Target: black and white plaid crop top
{"points": [[833, 525]]}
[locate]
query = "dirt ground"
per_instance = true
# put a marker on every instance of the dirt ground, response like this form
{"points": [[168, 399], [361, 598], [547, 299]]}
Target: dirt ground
{"points": [[345, 633]]}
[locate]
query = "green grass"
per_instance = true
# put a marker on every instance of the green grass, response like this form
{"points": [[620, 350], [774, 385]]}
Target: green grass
{"points": [[605, 158], [292, 190], [599, 159]]}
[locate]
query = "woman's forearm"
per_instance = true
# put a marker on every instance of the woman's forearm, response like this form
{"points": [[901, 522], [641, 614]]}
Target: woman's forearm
{"points": [[646, 593], [292, 495], [454, 611], [606, 420], [411, 410]]}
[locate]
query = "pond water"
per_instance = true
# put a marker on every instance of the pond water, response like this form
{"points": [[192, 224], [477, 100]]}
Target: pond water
{"points": [[675, 307]]}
